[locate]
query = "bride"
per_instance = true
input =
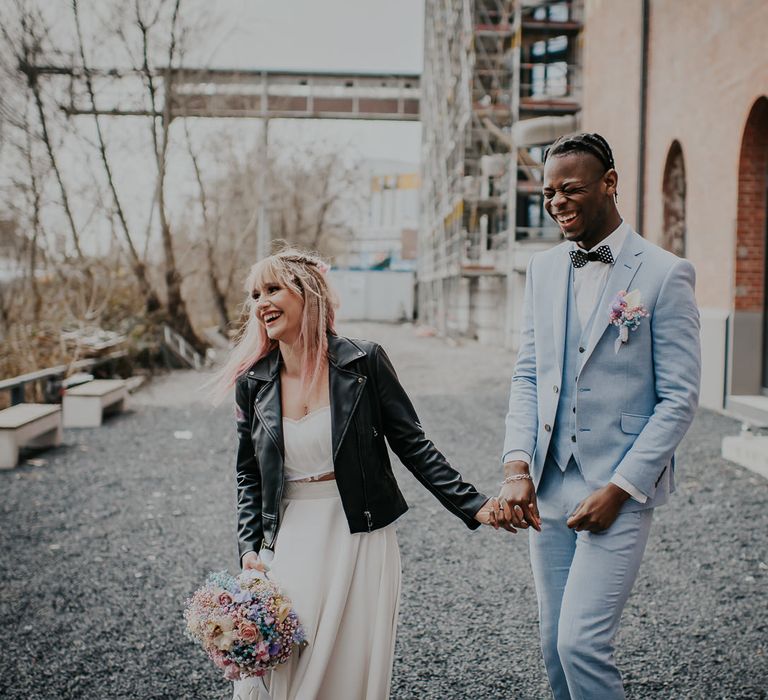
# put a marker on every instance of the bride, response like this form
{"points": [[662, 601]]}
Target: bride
{"points": [[315, 490]]}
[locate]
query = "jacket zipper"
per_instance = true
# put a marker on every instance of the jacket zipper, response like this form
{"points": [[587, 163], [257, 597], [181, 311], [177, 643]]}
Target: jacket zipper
{"points": [[366, 512]]}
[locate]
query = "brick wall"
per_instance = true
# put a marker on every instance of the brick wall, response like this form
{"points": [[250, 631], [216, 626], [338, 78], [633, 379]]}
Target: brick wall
{"points": [[751, 213]]}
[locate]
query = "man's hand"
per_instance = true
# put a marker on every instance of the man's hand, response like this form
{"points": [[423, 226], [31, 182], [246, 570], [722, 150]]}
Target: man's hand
{"points": [[597, 511], [518, 499]]}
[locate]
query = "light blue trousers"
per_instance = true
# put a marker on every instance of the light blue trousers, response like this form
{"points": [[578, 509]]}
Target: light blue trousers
{"points": [[583, 581]]}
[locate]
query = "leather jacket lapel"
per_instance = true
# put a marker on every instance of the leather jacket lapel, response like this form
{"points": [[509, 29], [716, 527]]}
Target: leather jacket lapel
{"points": [[346, 388], [269, 409]]}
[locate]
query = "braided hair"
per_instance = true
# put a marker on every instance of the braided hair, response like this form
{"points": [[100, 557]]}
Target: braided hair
{"points": [[583, 143]]}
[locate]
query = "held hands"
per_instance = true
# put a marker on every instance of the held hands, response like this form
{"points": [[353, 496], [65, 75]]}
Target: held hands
{"points": [[597, 511], [492, 513], [519, 502], [515, 506]]}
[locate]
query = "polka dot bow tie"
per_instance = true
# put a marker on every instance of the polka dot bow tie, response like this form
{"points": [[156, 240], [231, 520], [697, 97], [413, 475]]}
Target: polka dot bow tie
{"points": [[603, 254]]}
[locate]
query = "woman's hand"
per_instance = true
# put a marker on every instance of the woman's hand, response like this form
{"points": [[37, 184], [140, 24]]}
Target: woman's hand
{"points": [[251, 561], [492, 514]]}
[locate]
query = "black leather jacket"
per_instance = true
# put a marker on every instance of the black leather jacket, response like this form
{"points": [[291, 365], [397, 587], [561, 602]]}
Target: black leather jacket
{"points": [[367, 404]]}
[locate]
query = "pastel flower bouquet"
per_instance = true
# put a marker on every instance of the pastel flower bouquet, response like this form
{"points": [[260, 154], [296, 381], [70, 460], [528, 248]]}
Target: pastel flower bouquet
{"points": [[244, 623], [626, 312]]}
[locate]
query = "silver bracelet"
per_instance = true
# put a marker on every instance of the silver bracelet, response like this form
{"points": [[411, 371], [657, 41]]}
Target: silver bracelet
{"points": [[516, 477]]}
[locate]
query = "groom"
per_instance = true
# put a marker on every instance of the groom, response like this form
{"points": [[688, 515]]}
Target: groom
{"points": [[596, 411]]}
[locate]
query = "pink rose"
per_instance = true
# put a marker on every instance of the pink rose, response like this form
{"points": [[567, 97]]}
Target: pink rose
{"points": [[232, 673], [225, 598], [248, 632]]}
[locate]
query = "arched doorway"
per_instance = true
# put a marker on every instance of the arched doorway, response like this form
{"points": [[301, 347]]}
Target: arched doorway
{"points": [[673, 194], [750, 330]]}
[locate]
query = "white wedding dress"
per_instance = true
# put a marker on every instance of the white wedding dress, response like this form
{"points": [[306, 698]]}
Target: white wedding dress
{"points": [[345, 587]]}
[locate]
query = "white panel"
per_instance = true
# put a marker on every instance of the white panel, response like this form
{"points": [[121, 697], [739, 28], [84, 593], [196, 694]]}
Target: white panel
{"points": [[373, 295], [713, 357]]}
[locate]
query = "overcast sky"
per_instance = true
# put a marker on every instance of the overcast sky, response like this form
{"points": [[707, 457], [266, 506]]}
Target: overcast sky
{"points": [[337, 35], [326, 35], [322, 35]]}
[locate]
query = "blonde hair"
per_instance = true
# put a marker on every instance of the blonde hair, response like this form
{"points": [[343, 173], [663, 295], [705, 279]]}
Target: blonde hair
{"points": [[303, 273]]}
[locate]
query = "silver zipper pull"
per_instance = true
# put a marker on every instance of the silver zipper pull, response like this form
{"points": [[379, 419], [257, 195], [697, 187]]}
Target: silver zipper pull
{"points": [[375, 432], [367, 514]]}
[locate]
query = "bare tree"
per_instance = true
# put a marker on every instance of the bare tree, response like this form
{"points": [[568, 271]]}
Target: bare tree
{"points": [[211, 236], [138, 264], [312, 199], [28, 45], [160, 121], [314, 194]]}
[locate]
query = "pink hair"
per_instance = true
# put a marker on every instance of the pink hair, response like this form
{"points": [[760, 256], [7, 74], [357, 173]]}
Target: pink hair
{"points": [[304, 275]]}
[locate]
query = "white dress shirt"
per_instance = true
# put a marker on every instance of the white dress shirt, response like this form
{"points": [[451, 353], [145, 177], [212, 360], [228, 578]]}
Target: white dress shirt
{"points": [[588, 284]]}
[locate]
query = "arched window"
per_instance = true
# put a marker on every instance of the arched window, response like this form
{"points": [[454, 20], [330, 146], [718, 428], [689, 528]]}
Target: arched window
{"points": [[750, 329], [674, 201]]}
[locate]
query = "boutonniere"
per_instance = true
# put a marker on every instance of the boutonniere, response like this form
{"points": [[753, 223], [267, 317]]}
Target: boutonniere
{"points": [[626, 312]]}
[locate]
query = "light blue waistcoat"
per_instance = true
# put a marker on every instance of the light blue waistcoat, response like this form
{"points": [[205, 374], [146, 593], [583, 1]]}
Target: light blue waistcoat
{"points": [[564, 429]]}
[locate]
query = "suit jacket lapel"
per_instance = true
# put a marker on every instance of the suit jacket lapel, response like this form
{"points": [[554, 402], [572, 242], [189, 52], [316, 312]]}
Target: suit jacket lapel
{"points": [[624, 270], [562, 275]]}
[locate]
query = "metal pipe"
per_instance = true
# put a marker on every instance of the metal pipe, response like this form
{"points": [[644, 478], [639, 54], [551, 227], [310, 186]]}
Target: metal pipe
{"points": [[645, 32]]}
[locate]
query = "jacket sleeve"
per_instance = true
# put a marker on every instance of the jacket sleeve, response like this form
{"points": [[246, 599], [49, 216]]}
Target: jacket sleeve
{"points": [[522, 422], [419, 455], [249, 527], [677, 371]]}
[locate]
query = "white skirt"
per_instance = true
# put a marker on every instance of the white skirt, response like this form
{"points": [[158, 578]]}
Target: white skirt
{"points": [[346, 591]]}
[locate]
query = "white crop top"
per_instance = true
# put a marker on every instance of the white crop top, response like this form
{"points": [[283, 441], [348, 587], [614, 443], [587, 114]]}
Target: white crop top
{"points": [[308, 447]]}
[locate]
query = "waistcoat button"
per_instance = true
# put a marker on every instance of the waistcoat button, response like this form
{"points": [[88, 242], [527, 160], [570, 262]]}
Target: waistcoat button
{"points": [[573, 438], [555, 389], [547, 427], [581, 349]]}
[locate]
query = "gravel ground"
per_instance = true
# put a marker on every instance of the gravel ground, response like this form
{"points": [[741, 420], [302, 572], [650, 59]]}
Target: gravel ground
{"points": [[101, 545]]}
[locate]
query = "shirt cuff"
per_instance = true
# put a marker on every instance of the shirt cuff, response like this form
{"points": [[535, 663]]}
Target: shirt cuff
{"points": [[633, 491], [516, 456]]}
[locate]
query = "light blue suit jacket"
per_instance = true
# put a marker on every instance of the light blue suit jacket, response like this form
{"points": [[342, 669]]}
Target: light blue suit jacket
{"points": [[632, 407]]}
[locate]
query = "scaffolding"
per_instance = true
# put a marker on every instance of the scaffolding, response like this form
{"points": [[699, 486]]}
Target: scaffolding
{"points": [[501, 80]]}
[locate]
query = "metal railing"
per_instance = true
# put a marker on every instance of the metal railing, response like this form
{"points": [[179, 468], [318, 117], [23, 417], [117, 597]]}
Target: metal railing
{"points": [[182, 349], [550, 80]]}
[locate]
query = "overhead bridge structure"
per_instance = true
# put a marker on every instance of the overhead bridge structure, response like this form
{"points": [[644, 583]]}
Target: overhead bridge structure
{"points": [[230, 93], [296, 95], [233, 93]]}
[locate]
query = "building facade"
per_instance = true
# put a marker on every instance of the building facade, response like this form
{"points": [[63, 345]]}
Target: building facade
{"points": [[501, 80], [680, 90]]}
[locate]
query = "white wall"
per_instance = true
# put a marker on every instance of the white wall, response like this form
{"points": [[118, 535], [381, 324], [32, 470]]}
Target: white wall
{"points": [[374, 295]]}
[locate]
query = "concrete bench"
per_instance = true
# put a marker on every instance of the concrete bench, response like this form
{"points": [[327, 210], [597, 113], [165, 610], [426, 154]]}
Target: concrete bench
{"points": [[28, 425], [86, 405]]}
